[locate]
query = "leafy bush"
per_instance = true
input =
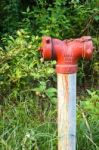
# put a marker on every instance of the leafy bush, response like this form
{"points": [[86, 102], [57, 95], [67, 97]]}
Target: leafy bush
{"points": [[20, 67]]}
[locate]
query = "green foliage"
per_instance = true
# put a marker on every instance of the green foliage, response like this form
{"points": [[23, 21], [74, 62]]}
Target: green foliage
{"points": [[88, 122], [26, 126], [20, 67], [27, 92], [22, 127], [9, 18], [28, 85]]}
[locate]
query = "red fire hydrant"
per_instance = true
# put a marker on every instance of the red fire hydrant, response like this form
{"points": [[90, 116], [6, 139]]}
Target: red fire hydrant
{"points": [[66, 53]]}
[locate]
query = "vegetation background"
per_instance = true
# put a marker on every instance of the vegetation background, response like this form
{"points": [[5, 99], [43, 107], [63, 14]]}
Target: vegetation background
{"points": [[28, 98]]}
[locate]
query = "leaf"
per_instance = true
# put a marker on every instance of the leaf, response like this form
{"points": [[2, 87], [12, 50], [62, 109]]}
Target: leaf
{"points": [[91, 93], [51, 92], [28, 9], [96, 18]]}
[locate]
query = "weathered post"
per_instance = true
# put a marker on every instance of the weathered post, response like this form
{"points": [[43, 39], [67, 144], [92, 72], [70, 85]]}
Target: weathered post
{"points": [[67, 111], [66, 53]]}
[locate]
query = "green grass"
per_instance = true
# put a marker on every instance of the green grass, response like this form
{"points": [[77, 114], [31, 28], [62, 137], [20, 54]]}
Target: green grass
{"points": [[23, 126]]}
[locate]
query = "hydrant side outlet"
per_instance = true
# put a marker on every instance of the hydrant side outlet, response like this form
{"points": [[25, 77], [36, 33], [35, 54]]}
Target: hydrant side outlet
{"points": [[67, 52]]}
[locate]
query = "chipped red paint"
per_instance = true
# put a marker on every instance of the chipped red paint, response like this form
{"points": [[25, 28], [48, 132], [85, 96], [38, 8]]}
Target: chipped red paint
{"points": [[66, 52]]}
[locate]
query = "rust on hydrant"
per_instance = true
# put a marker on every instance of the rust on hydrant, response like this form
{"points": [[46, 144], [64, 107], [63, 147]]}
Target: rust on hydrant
{"points": [[66, 52]]}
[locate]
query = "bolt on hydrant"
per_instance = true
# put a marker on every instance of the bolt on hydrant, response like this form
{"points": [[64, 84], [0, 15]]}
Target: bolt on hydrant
{"points": [[66, 53]]}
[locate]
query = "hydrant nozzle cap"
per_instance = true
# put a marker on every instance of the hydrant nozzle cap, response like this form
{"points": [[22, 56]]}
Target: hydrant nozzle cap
{"points": [[46, 48]]}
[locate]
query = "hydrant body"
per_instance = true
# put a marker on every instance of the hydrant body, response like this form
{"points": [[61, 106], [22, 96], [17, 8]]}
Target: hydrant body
{"points": [[67, 52]]}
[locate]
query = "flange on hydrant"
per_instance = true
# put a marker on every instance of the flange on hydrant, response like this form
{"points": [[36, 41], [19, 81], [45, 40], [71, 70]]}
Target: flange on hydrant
{"points": [[66, 53]]}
